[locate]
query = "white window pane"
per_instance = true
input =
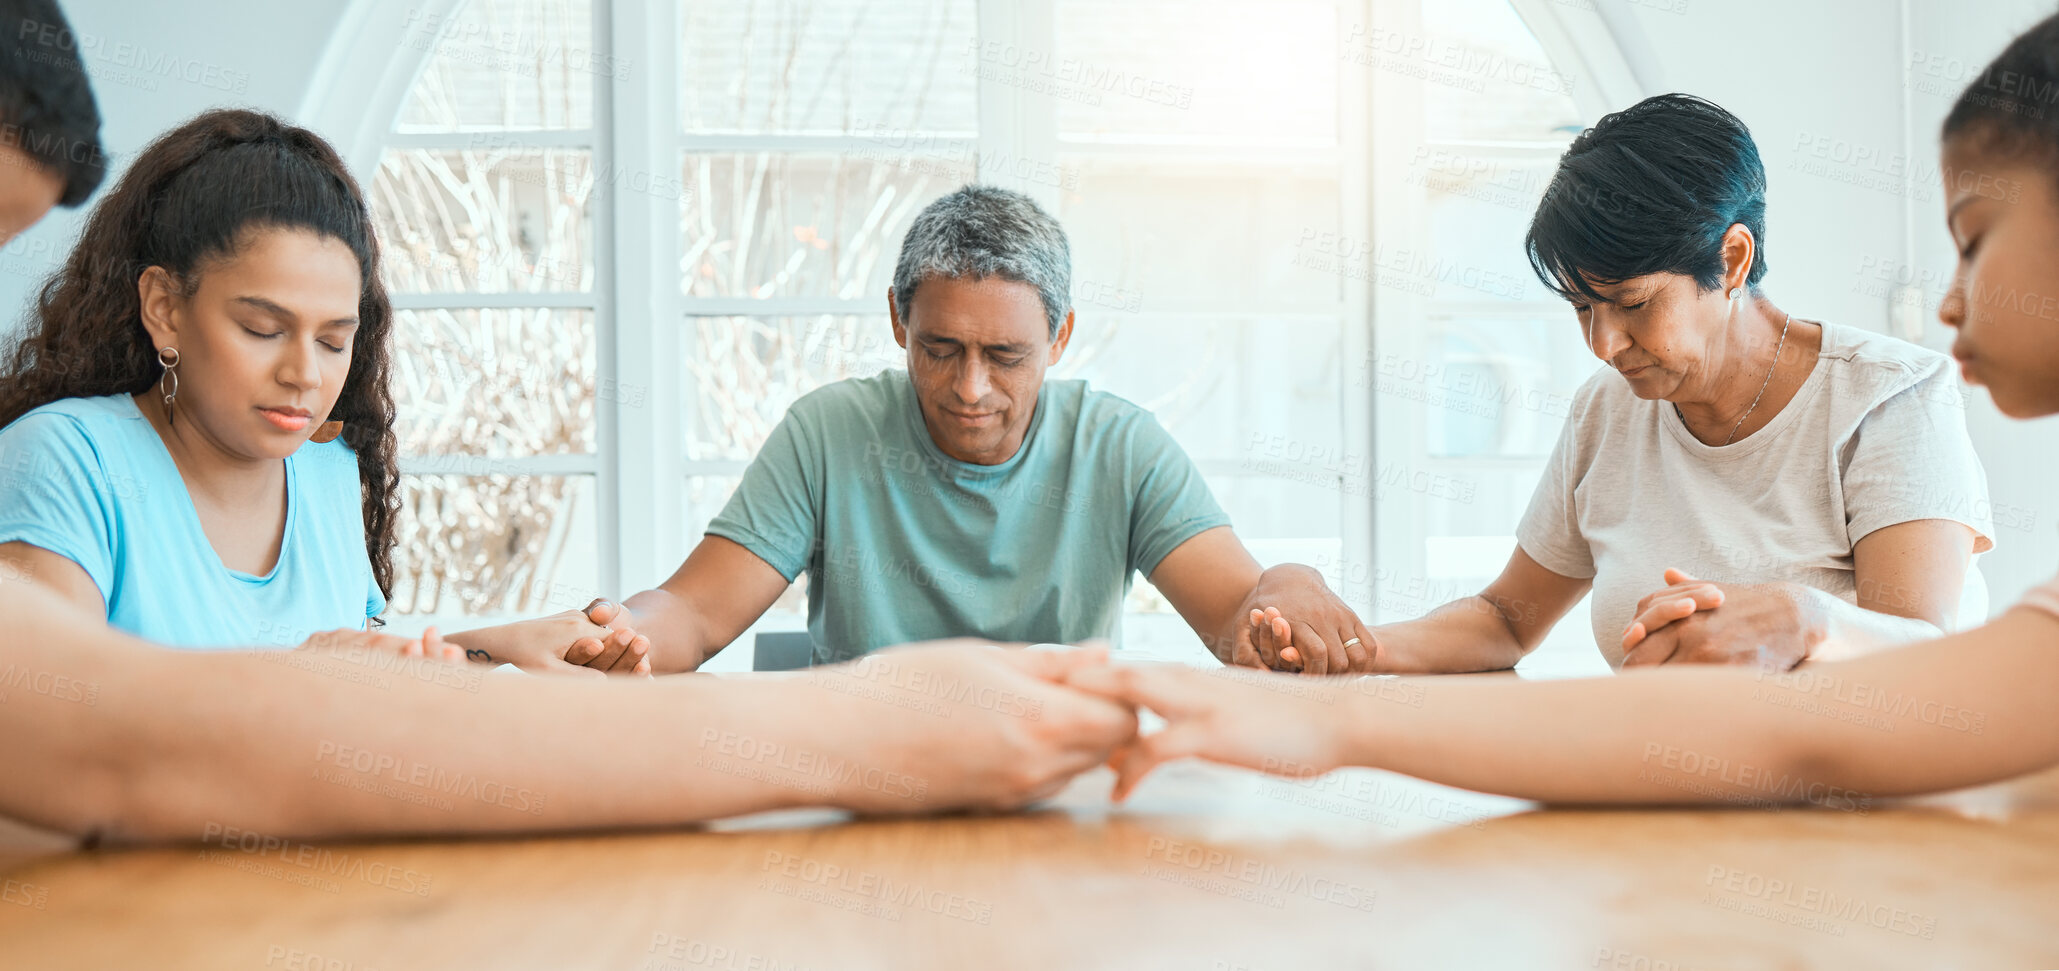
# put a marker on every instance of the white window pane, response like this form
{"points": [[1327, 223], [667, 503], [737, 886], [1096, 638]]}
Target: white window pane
{"points": [[1492, 387], [1486, 77], [785, 225], [490, 220], [1225, 389], [1480, 206], [496, 543], [1205, 237], [1211, 71], [505, 65], [496, 382], [825, 66], [748, 370], [1283, 521]]}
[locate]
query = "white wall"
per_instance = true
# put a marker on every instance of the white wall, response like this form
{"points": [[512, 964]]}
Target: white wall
{"points": [[1809, 76]]}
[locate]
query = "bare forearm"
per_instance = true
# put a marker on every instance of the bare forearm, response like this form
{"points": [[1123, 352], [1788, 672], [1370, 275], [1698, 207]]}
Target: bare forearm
{"points": [[1464, 635], [1845, 630], [1935, 716], [678, 635], [145, 744]]}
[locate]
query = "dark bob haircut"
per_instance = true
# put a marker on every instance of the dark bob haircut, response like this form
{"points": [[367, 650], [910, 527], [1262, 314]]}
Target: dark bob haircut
{"points": [[46, 106], [2009, 110], [1650, 189]]}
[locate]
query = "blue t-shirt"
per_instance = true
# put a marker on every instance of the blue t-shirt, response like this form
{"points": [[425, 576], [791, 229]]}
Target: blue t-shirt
{"points": [[904, 543], [89, 479]]}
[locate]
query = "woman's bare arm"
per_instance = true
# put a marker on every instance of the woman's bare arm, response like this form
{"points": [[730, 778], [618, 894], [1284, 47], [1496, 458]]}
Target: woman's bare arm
{"points": [[1489, 631], [1962, 710], [113, 738]]}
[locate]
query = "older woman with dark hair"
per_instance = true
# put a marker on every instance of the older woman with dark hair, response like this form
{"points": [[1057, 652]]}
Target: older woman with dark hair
{"points": [[1741, 485]]}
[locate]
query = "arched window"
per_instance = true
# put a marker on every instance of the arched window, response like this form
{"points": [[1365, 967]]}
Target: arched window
{"points": [[625, 237]]}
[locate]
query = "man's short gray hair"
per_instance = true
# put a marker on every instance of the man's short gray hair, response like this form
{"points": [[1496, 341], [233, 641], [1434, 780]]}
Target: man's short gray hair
{"points": [[981, 231]]}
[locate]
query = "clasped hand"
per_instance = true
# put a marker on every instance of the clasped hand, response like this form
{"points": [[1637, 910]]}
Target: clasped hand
{"points": [[1691, 621]]}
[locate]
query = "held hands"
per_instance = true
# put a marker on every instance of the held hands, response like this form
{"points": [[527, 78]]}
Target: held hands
{"points": [[1294, 622], [570, 642], [959, 724], [1231, 715], [620, 651], [1701, 622]]}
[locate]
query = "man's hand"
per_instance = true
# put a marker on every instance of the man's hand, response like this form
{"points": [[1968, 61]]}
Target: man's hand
{"points": [[566, 643], [1295, 622], [961, 724], [1694, 621], [343, 640], [1255, 719]]}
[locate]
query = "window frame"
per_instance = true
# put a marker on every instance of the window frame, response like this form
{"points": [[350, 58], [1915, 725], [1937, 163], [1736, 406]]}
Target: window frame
{"points": [[640, 463]]}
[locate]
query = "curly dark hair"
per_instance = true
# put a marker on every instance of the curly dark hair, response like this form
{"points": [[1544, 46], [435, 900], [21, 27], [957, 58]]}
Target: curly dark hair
{"points": [[191, 198]]}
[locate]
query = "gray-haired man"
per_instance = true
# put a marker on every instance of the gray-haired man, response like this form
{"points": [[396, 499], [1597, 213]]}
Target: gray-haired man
{"points": [[968, 496]]}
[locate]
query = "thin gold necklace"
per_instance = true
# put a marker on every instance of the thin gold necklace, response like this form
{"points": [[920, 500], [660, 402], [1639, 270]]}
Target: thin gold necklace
{"points": [[1763, 385]]}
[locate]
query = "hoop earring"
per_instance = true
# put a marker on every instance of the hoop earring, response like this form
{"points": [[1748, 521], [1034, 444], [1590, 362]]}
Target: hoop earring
{"points": [[168, 384]]}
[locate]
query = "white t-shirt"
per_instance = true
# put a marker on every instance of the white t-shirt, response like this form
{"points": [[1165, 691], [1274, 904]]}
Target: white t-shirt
{"points": [[1876, 436]]}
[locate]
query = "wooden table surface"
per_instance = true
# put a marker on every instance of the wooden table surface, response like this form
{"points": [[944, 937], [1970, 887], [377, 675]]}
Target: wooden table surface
{"points": [[1204, 868]]}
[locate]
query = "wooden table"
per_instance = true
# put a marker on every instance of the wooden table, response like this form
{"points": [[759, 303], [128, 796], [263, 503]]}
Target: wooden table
{"points": [[1205, 868]]}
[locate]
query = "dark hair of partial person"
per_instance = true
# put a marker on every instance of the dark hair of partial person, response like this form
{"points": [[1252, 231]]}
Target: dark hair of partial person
{"points": [[1650, 189], [46, 104], [193, 198], [2010, 112]]}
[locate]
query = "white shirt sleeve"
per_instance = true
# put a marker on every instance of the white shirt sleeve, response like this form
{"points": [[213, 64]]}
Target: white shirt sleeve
{"points": [[1911, 459], [1550, 529]]}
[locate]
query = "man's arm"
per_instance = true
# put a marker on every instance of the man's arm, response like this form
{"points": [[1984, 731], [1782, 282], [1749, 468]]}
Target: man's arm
{"points": [[115, 738], [719, 591], [1206, 579]]}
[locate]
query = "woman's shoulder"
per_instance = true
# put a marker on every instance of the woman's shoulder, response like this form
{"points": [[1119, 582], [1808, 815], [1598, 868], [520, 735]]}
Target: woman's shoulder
{"points": [[70, 422], [1858, 349], [1868, 368]]}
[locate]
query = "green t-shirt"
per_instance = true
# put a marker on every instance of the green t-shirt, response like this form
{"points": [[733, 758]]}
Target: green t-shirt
{"points": [[904, 543]]}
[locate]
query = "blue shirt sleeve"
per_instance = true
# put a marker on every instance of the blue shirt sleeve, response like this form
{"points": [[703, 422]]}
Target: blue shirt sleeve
{"points": [[777, 507], [375, 602], [1170, 503], [55, 494]]}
